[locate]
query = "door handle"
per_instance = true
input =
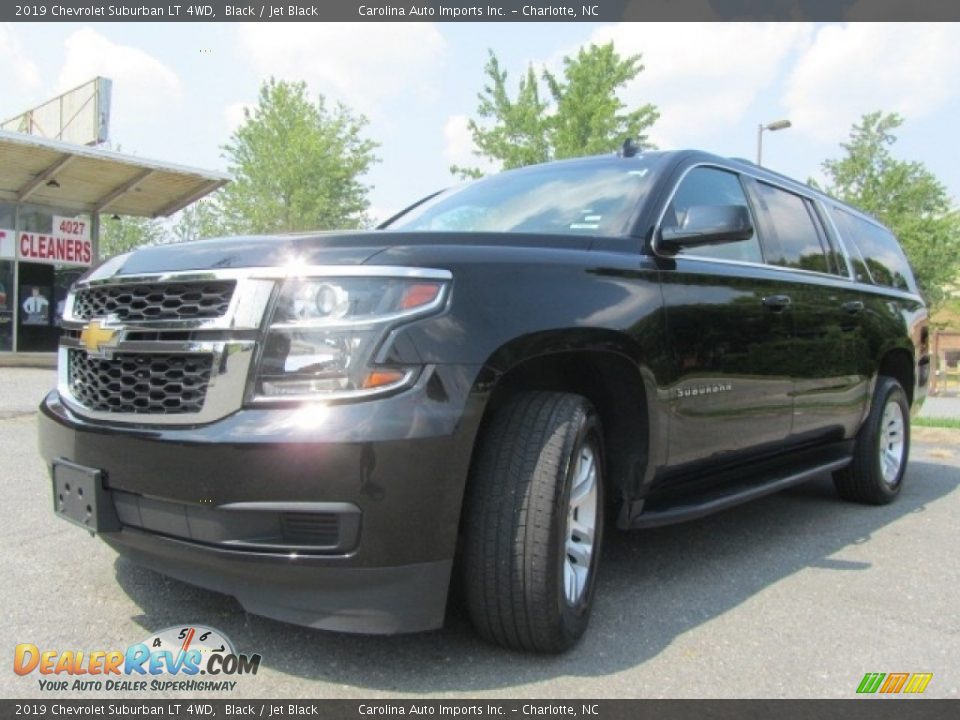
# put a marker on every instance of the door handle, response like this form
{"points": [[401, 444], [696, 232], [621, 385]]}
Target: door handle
{"points": [[853, 307], [777, 302]]}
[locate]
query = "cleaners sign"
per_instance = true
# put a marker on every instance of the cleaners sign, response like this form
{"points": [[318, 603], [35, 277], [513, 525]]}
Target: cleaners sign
{"points": [[68, 244]]}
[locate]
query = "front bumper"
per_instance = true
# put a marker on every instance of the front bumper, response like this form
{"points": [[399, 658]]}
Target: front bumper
{"points": [[244, 505]]}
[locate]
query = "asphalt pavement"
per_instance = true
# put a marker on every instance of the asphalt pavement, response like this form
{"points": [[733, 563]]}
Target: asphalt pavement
{"points": [[795, 595]]}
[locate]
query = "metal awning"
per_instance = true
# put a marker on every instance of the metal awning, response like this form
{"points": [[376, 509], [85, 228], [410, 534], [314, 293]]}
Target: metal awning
{"points": [[86, 179]]}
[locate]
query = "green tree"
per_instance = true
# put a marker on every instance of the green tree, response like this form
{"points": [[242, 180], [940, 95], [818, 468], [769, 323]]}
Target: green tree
{"points": [[201, 220], [904, 195], [119, 234], [518, 133], [589, 117], [580, 115], [296, 165]]}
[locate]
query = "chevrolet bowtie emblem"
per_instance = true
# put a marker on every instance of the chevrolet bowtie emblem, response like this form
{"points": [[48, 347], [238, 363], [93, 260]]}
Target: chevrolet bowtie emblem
{"points": [[96, 335]]}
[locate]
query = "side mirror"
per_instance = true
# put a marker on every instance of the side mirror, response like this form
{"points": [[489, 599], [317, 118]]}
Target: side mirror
{"points": [[707, 225]]}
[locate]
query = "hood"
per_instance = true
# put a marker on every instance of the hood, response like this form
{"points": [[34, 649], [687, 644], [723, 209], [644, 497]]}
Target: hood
{"points": [[335, 248], [332, 248]]}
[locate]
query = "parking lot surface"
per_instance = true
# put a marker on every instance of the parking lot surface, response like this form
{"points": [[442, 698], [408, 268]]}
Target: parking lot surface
{"points": [[794, 595]]}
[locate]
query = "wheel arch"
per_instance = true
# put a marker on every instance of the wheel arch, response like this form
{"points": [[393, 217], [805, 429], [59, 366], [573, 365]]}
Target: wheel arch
{"points": [[897, 363], [605, 367]]}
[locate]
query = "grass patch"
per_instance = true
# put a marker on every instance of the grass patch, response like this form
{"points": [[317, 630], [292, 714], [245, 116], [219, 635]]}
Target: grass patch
{"points": [[937, 422]]}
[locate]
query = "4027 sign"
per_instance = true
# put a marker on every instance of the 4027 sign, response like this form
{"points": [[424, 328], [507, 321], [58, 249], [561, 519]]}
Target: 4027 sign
{"points": [[71, 227]]}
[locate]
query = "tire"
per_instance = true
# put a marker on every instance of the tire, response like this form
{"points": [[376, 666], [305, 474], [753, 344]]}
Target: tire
{"points": [[524, 591], [874, 477]]}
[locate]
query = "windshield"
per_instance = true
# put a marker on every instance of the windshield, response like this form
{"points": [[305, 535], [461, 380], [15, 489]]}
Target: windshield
{"points": [[598, 198]]}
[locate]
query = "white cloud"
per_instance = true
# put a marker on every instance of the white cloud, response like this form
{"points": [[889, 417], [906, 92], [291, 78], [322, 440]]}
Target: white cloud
{"points": [[703, 77], [377, 214], [852, 69], [458, 142], [233, 115], [12, 57], [359, 63], [142, 85], [458, 145]]}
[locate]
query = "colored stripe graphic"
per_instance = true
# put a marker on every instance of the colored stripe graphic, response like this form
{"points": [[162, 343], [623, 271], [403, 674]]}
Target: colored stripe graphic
{"points": [[870, 682], [918, 682], [894, 683]]}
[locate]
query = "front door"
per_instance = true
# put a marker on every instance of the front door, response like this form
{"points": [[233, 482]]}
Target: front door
{"points": [[730, 326]]}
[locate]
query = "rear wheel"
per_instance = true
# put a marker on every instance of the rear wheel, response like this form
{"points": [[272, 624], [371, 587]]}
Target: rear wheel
{"points": [[875, 475], [534, 522]]}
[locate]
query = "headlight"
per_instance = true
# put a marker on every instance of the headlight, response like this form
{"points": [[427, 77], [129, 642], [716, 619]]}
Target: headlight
{"points": [[324, 332]]}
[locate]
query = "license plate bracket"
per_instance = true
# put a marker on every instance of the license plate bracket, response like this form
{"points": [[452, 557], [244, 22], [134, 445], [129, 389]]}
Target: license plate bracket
{"points": [[80, 497]]}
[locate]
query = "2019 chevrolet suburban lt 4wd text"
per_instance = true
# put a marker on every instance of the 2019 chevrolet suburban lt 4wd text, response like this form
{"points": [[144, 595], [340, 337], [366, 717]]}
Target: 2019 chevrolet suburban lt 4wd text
{"points": [[332, 427]]}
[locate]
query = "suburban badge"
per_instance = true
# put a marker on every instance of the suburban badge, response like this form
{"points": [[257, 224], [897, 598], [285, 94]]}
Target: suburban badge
{"points": [[704, 389]]}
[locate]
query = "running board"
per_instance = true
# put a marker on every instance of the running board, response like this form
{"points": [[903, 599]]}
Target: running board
{"points": [[729, 497]]}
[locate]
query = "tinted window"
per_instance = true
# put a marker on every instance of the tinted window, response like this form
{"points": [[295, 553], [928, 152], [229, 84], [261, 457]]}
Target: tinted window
{"points": [[876, 248], [576, 198], [796, 240], [838, 260], [710, 186]]}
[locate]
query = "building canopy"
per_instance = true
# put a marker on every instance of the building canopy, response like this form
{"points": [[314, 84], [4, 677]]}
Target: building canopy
{"points": [[93, 180]]}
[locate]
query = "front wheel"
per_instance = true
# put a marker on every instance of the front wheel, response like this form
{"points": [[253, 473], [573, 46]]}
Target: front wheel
{"points": [[534, 522], [875, 475]]}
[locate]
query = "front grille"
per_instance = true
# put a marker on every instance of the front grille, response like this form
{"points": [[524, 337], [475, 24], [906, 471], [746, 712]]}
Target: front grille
{"points": [[161, 384], [155, 301]]}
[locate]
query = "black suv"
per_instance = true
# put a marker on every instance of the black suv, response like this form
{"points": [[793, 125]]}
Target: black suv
{"points": [[325, 426]]}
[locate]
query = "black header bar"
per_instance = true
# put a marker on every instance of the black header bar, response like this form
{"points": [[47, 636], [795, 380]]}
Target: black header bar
{"points": [[477, 10]]}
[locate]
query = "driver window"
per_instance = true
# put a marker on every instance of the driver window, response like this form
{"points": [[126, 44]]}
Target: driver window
{"points": [[711, 186]]}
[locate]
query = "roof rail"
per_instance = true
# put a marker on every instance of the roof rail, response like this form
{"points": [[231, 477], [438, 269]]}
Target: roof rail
{"points": [[767, 170]]}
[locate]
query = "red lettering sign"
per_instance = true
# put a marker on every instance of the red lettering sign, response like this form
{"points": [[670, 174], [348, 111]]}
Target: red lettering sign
{"points": [[40, 247]]}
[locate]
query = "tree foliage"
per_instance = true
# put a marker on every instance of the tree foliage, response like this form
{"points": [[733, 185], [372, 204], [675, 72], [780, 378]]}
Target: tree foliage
{"points": [[296, 165], [121, 234], [518, 133], [201, 220], [579, 114], [904, 195], [589, 117]]}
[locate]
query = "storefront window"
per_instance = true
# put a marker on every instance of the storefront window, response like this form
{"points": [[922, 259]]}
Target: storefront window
{"points": [[45, 239], [8, 215], [6, 305], [8, 218]]}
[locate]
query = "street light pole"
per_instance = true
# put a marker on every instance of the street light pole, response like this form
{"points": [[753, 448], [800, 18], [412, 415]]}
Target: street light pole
{"points": [[776, 125]]}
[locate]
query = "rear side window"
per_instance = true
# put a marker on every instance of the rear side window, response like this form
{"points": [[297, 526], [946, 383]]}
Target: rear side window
{"points": [[795, 240], [877, 252]]}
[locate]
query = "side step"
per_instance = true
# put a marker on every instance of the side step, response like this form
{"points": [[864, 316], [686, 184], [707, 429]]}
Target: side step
{"points": [[693, 507]]}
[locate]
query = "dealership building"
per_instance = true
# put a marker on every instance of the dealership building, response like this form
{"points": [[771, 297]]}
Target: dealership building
{"points": [[54, 197]]}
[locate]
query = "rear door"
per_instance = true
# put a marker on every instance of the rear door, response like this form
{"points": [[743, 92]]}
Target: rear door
{"points": [[729, 328], [828, 361]]}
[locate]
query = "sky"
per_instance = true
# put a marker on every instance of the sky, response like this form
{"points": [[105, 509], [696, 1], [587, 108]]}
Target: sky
{"points": [[179, 89]]}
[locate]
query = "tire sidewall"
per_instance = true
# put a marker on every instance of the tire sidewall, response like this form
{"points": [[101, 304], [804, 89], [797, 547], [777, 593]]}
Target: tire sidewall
{"points": [[574, 619], [890, 390]]}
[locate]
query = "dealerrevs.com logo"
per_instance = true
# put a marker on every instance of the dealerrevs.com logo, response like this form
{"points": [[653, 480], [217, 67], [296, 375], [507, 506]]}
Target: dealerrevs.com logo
{"points": [[173, 659]]}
